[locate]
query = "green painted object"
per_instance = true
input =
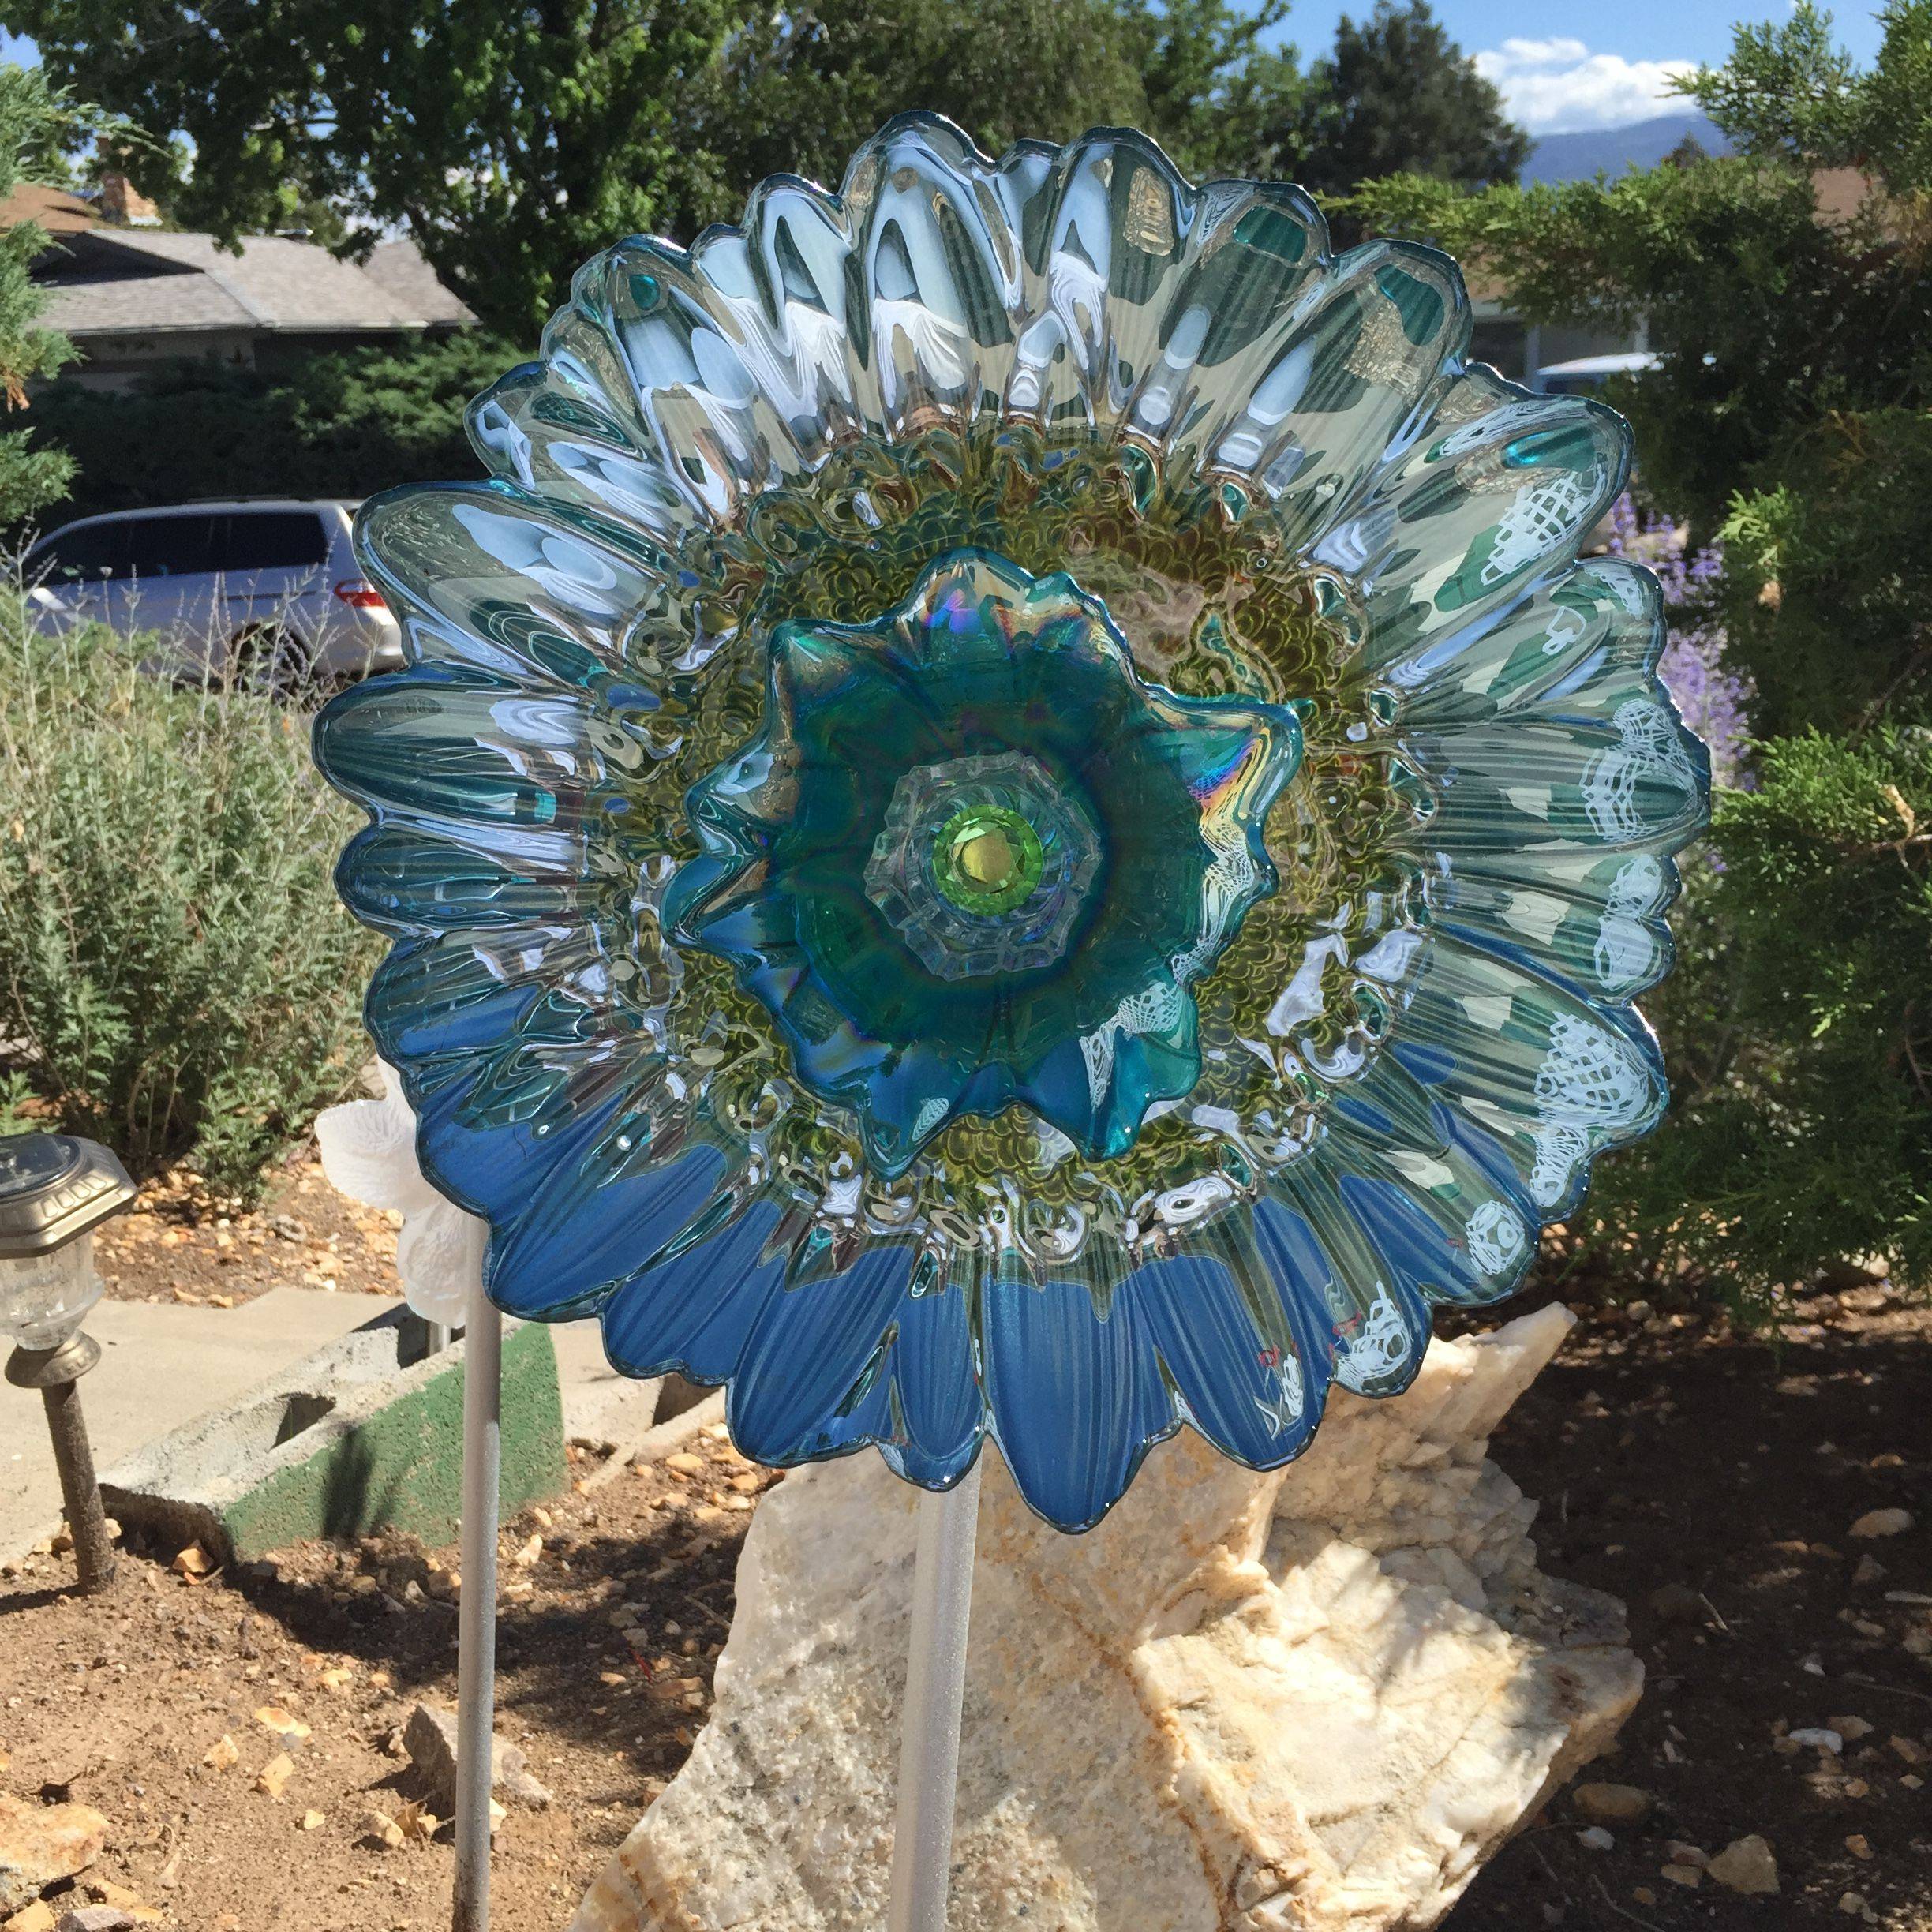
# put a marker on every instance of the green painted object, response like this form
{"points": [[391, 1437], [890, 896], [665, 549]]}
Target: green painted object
{"points": [[344, 1444], [400, 1466]]}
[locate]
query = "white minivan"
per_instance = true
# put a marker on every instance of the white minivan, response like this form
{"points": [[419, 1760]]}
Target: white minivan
{"points": [[257, 591]]}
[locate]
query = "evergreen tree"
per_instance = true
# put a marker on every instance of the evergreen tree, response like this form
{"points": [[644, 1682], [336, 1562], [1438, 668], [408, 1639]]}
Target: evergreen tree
{"points": [[1397, 96], [38, 123]]}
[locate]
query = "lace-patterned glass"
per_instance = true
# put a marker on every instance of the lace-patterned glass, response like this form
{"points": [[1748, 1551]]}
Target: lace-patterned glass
{"points": [[1012, 811]]}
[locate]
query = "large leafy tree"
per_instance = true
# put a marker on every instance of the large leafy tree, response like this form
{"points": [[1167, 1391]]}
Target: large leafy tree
{"points": [[1789, 294], [797, 88], [512, 140]]}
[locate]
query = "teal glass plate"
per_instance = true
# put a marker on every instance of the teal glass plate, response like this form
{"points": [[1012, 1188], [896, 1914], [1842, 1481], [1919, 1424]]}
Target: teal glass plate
{"points": [[1011, 810]]}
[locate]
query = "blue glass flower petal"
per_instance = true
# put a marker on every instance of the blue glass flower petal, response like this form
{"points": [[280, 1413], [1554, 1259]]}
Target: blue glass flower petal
{"points": [[1553, 1079], [688, 1309], [1358, 365], [1244, 1347], [1075, 1395], [937, 1414], [815, 1374]]}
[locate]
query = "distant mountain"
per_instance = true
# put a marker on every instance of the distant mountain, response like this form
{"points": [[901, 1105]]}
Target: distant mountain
{"points": [[1644, 144]]}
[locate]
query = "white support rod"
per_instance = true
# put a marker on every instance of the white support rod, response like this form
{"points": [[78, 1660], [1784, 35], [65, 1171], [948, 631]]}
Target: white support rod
{"points": [[935, 1690], [476, 1659]]}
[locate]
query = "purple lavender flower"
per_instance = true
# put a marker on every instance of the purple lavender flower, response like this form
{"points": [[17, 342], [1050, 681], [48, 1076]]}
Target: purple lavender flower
{"points": [[1714, 700]]}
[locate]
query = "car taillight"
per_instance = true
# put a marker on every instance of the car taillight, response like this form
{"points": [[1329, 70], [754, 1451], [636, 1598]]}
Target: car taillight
{"points": [[359, 593]]}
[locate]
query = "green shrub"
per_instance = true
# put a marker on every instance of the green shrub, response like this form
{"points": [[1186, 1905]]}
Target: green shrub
{"points": [[176, 976], [336, 426]]}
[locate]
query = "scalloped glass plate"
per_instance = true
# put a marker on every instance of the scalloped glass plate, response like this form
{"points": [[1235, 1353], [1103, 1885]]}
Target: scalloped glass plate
{"points": [[1012, 811]]}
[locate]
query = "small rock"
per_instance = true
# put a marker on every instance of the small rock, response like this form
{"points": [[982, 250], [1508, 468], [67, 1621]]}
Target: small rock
{"points": [[1850, 1729], [1815, 1738], [383, 1829], [1683, 1854], [40, 1844], [1911, 1749], [311, 1820], [429, 1740], [1870, 1571], [528, 1790], [684, 1463], [1677, 1603], [1882, 1522], [222, 1754], [37, 1917], [94, 1918], [1611, 1804], [1860, 1846], [1596, 1839], [193, 1562], [1690, 1877], [274, 1776], [1854, 1904], [284, 1723], [1745, 1865]]}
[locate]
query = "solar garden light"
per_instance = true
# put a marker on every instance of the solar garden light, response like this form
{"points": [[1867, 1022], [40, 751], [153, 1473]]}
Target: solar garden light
{"points": [[54, 1190]]}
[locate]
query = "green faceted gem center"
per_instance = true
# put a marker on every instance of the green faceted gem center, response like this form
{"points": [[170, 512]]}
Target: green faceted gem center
{"points": [[988, 859]]}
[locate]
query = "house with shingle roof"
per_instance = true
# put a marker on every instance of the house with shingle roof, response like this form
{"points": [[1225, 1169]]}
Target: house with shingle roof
{"points": [[133, 298]]}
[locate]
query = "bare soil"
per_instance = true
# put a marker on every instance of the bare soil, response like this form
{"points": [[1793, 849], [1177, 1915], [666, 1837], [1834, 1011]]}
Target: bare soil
{"points": [[119, 1702], [1710, 1480], [181, 1242]]}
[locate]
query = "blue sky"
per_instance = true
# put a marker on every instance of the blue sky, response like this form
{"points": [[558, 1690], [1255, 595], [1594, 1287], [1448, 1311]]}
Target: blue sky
{"points": [[1564, 65], [1561, 64]]}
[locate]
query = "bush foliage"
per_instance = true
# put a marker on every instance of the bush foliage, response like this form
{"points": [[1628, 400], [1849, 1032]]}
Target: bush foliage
{"points": [[176, 976], [340, 425]]}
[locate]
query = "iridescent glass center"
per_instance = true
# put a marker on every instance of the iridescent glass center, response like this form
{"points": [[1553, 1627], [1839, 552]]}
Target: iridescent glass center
{"points": [[975, 860], [984, 864]]}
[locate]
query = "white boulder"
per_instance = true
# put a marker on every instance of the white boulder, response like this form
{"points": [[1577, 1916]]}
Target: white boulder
{"points": [[1318, 1699]]}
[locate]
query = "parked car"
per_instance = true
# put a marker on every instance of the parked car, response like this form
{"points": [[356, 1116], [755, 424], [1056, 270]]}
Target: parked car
{"points": [[251, 592]]}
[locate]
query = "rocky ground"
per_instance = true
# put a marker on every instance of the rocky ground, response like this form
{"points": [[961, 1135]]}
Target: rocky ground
{"points": [[242, 1732], [181, 1242], [1763, 1504]]}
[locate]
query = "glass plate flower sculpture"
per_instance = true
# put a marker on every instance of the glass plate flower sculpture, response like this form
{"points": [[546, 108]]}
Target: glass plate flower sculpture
{"points": [[1011, 811]]}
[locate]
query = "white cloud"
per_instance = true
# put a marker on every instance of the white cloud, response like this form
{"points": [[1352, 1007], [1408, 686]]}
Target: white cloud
{"points": [[1555, 86]]}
